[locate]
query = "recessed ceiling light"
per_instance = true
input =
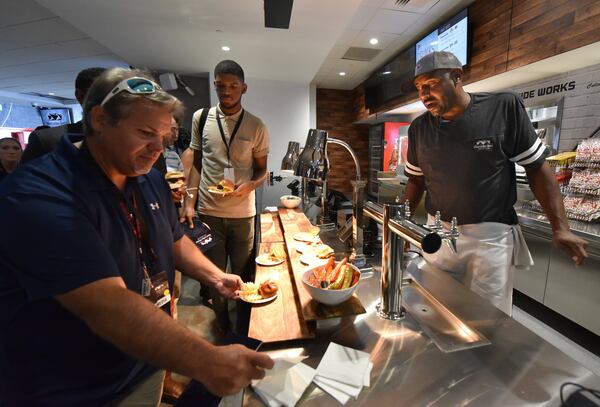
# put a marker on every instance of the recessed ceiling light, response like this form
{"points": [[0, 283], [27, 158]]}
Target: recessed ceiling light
{"points": [[51, 93], [386, 72], [342, 74], [374, 41], [225, 48]]}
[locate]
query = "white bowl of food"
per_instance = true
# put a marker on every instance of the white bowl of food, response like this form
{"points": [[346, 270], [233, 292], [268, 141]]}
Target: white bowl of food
{"points": [[290, 201], [334, 286]]}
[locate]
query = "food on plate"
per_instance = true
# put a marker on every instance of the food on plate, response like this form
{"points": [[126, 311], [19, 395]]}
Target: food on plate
{"points": [[268, 288], [277, 253], [334, 277], [314, 230], [323, 251], [250, 292], [223, 187], [176, 179], [253, 292], [306, 237]]}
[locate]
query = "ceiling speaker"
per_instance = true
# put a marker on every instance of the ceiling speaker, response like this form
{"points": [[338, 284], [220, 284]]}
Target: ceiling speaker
{"points": [[278, 13]]}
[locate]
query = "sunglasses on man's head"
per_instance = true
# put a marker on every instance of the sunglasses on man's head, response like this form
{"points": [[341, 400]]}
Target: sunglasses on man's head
{"points": [[135, 86]]}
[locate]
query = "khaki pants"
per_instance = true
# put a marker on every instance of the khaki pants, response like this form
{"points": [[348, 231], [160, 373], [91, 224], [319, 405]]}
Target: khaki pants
{"points": [[235, 245]]}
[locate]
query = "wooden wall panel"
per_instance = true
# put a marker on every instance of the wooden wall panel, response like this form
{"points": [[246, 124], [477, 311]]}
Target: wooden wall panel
{"points": [[508, 34], [335, 113], [550, 27]]}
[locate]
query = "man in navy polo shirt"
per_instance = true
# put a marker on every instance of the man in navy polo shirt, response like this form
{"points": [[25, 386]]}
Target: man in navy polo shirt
{"points": [[87, 256], [462, 151]]}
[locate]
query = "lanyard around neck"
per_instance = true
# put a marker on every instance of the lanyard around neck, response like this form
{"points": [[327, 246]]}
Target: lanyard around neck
{"points": [[235, 129], [139, 228]]}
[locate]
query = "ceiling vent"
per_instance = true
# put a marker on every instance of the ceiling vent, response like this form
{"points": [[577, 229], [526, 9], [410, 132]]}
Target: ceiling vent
{"points": [[361, 54], [411, 6]]}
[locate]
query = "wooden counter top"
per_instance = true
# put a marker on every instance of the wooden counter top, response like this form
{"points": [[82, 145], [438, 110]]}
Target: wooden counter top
{"points": [[294, 221], [270, 228], [280, 319]]}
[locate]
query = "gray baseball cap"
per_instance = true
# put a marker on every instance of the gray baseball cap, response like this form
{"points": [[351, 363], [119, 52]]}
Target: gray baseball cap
{"points": [[437, 60]]}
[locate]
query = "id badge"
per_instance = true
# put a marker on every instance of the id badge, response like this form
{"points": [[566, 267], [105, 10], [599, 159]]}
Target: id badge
{"points": [[229, 174], [160, 294], [146, 287]]}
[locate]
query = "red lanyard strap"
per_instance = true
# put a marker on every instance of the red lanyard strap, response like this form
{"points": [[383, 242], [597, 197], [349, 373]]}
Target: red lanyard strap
{"points": [[139, 228]]}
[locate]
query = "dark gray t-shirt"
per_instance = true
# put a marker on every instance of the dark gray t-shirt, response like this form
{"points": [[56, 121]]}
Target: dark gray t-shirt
{"points": [[468, 163]]}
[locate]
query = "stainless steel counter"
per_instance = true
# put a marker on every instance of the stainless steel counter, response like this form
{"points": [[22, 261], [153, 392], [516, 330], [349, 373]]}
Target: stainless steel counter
{"points": [[538, 224], [517, 369]]}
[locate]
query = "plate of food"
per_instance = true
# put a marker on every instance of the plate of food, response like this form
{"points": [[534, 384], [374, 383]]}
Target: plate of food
{"points": [[176, 179], [323, 251], [307, 247], [254, 293], [275, 256], [311, 260], [222, 188], [312, 235]]}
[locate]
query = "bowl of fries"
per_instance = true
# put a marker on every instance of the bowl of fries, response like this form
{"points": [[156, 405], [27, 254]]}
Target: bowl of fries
{"points": [[333, 282]]}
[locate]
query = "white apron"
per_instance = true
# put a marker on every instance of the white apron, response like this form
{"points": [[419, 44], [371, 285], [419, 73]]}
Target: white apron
{"points": [[487, 255]]}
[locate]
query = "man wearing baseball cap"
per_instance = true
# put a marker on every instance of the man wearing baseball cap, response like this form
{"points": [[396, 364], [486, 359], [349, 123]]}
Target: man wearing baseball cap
{"points": [[463, 151]]}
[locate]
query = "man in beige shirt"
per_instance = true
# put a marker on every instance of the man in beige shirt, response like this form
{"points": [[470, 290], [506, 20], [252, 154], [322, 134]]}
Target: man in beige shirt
{"points": [[233, 144]]}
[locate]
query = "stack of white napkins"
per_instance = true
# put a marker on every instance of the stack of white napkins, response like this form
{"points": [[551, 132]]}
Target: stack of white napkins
{"points": [[343, 372], [285, 383]]}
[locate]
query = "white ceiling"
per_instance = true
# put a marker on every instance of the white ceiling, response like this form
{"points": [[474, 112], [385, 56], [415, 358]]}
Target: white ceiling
{"points": [[40, 52], [44, 43]]}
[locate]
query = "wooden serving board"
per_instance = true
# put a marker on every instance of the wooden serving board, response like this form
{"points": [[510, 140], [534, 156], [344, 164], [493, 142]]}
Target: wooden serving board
{"points": [[270, 228], [294, 221], [280, 319]]}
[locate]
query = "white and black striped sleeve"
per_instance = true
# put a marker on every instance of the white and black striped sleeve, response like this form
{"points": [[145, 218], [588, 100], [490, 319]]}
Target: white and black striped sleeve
{"points": [[523, 146], [413, 170], [531, 155]]}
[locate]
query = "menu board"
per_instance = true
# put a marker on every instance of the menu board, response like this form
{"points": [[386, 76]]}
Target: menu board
{"points": [[451, 36]]}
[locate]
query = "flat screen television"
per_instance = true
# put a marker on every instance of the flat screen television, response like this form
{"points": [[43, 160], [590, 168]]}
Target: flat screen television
{"points": [[452, 36], [386, 83], [55, 116]]}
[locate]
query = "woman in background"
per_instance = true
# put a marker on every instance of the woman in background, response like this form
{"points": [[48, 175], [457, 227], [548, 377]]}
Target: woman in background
{"points": [[10, 155]]}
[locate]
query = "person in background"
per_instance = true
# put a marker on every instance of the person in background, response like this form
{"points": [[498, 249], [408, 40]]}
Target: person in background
{"points": [[232, 146], [43, 141], [480, 137], [88, 268], [173, 161], [10, 155]]}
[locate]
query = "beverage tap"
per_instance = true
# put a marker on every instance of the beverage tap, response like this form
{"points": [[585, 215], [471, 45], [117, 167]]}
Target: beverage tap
{"points": [[452, 235], [448, 237], [398, 230]]}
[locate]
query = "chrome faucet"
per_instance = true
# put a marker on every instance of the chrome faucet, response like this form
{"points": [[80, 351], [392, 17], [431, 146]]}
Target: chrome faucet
{"points": [[398, 229], [448, 237]]}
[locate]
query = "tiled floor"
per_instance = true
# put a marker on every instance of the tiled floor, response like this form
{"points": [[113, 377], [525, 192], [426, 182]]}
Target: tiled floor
{"points": [[581, 355]]}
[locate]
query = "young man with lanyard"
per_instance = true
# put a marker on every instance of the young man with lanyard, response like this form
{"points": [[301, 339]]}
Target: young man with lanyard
{"points": [[463, 151], [228, 143], [88, 267]]}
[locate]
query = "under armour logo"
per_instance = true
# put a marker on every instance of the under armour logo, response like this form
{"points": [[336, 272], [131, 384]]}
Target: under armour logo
{"points": [[483, 145], [154, 206]]}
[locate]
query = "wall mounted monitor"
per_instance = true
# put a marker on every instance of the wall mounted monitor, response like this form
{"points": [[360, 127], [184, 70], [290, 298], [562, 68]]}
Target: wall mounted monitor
{"points": [[386, 82], [452, 36], [55, 116]]}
